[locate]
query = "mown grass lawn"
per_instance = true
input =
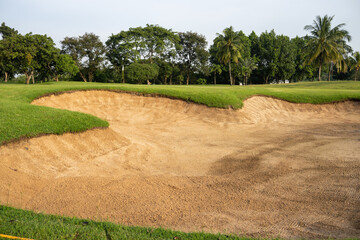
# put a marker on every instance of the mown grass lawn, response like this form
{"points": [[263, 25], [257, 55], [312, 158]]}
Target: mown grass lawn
{"points": [[19, 119], [27, 224]]}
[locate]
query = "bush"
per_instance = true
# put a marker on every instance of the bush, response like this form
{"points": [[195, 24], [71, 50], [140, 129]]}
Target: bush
{"points": [[180, 79], [137, 72], [201, 81], [19, 79]]}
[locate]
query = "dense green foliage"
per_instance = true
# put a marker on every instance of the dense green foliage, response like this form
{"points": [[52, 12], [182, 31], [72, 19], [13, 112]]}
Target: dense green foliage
{"points": [[33, 55], [27, 224], [247, 66], [19, 119], [192, 53], [142, 44], [233, 57], [355, 63], [276, 54], [228, 49], [140, 73], [88, 53], [327, 45]]}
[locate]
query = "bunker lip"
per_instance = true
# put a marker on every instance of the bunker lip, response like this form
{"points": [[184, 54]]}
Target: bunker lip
{"points": [[272, 168], [159, 95], [143, 94]]}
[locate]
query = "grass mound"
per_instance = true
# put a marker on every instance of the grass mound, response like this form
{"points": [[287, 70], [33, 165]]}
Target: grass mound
{"points": [[19, 119]]}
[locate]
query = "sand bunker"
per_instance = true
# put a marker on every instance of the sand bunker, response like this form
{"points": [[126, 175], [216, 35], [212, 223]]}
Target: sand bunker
{"points": [[270, 169]]}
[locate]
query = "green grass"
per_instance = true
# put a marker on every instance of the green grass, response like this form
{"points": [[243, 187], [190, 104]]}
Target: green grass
{"points": [[27, 224], [19, 119]]}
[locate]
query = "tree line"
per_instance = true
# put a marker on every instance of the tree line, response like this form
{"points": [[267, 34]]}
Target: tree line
{"points": [[156, 55]]}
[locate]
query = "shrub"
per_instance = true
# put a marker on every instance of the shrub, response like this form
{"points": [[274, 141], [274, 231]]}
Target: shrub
{"points": [[201, 81], [137, 72]]}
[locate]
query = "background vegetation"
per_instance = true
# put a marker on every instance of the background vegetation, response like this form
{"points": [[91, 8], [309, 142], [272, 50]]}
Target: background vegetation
{"points": [[156, 55]]}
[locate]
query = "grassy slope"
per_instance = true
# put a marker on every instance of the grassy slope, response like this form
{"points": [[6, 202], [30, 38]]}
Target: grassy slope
{"points": [[27, 224], [19, 119]]}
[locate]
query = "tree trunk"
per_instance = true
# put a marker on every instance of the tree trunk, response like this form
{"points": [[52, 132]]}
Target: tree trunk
{"points": [[57, 78], [171, 79], [28, 76], [148, 82], [91, 76], [267, 79], [329, 76], [187, 78], [123, 73], [7, 75], [82, 76], [320, 73], [150, 58], [245, 79], [231, 81], [214, 78], [32, 76], [165, 80], [356, 73]]}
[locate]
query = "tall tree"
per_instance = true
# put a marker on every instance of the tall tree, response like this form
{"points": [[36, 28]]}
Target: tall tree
{"points": [[229, 47], [121, 51], [268, 53], [192, 53], [33, 54], [248, 65], [325, 43], [7, 54], [45, 55], [302, 70], [141, 43], [286, 57], [71, 46], [88, 53], [356, 63], [62, 64]]}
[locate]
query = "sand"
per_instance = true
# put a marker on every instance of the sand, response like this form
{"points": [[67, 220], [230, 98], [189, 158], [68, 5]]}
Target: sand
{"points": [[271, 169]]}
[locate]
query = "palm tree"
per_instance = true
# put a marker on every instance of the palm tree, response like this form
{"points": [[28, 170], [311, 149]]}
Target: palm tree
{"points": [[326, 44], [356, 63], [248, 65], [229, 47]]}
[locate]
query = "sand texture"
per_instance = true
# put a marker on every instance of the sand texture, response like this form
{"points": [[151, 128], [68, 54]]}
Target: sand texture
{"points": [[270, 169]]}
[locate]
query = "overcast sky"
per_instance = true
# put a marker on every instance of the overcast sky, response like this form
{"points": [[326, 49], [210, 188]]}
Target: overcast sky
{"points": [[62, 18]]}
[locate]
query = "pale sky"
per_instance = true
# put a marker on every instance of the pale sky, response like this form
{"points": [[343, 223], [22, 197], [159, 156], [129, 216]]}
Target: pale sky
{"points": [[62, 18]]}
